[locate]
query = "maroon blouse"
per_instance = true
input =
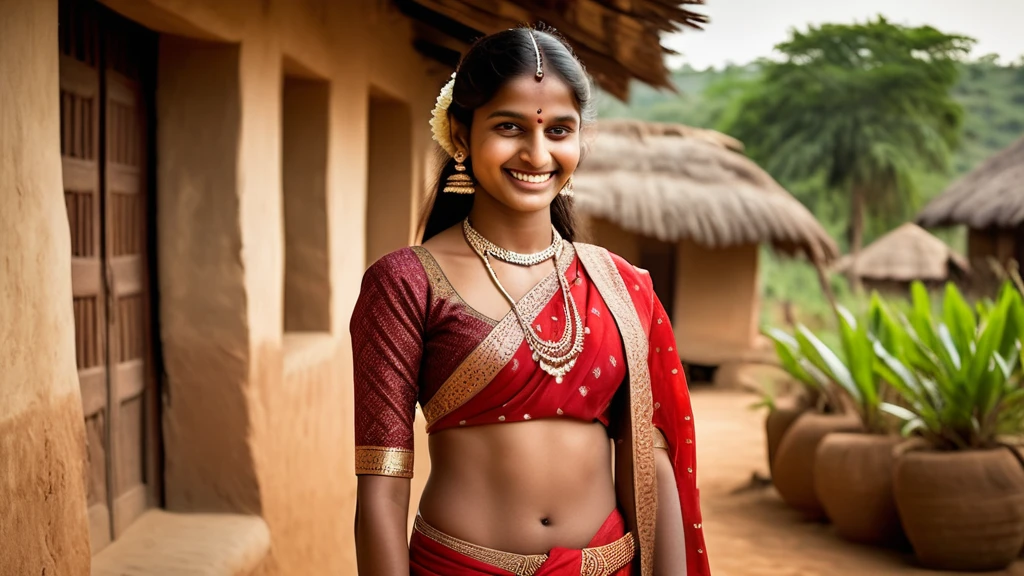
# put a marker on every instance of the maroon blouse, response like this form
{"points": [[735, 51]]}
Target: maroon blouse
{"points": [[413, 336]]}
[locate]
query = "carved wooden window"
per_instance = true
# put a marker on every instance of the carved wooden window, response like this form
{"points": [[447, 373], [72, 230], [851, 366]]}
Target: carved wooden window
{"points": [[106, 69]]}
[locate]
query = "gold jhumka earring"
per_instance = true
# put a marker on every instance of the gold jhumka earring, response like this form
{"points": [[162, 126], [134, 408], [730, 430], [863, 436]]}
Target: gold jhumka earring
{"points": [[460, 182], [567, 189]]}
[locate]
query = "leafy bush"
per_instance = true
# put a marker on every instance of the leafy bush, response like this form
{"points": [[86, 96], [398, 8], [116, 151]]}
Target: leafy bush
{"points": [[959, 372], [814, 383], [956, 369], [843, 372]]}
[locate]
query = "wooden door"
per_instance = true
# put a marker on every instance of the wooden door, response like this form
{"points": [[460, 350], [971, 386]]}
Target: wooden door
{"points": [[132, 393], [105, 118]]}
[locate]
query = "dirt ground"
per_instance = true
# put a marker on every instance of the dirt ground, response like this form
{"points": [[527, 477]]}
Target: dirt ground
{"points": [[749, 531]]}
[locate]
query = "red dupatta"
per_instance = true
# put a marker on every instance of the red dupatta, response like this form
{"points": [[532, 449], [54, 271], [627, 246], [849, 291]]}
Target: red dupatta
{"points": [[658, 397]]}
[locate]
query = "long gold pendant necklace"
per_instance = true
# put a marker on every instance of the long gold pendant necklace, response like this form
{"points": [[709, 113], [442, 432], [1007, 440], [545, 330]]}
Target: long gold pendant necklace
{"points": [[555, 357]]}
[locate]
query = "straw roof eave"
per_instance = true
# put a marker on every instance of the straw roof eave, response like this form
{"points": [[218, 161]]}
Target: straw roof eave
{"points": [[990, 196], [674, 182], [625, 44]]}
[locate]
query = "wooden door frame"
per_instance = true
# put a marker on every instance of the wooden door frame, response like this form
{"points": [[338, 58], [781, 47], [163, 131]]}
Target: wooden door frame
{"points": [[89, 71]]}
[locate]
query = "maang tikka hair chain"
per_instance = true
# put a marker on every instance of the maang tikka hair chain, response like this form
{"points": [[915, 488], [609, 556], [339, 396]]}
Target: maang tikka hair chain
{"points": [[540, 69]]}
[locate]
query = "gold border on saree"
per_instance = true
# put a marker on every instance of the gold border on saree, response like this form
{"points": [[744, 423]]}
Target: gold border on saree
{"points": [[597, 561], [605, 275]]}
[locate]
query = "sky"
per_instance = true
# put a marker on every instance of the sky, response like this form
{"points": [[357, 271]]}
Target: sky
{"points": [[743, 30]]}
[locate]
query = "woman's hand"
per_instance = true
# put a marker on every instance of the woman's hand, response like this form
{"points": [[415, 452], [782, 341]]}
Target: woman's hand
{"points": [[382, 517]]}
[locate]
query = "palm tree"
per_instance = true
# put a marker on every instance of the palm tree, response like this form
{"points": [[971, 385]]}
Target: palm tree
{"points": [[860, 107]]}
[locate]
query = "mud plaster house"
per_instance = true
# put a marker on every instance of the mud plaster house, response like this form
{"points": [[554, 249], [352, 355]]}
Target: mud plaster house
{"points": [[189, 193]]}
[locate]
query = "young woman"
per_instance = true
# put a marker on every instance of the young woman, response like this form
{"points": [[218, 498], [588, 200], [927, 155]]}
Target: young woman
{"points": [[526, 351]]}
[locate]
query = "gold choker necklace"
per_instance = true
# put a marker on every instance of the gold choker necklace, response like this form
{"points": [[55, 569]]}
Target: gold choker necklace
{"points": [[555, 357], [475, 239]]}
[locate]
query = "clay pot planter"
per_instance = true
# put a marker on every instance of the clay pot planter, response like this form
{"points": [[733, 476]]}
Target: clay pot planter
{"points": [[853, 480], [1019, 449], [962, 510], [1020, 456], [793, 474], [785, 413]]}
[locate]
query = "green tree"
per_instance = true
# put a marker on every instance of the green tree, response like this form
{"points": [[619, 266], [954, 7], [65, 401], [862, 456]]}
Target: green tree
{"points": [[859, 107]]}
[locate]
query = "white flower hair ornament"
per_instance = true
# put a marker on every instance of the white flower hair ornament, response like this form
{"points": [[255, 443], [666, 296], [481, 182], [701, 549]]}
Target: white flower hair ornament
{"points": [[440, 124]]}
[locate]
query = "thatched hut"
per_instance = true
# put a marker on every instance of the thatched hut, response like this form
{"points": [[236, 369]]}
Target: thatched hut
{"points": [[902, 256], [686, 205], [990, 202]]}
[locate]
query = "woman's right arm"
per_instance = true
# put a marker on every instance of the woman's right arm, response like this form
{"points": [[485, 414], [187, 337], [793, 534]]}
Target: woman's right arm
{"points": [[382, 514], [387, 328]]}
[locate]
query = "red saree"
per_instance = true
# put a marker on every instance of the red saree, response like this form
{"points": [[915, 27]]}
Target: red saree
{"points": [[432, 553], [415, 340]]}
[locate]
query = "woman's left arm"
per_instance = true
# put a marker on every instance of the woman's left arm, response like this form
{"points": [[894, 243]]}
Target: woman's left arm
{"points": [[670, 539], [679, 547]]}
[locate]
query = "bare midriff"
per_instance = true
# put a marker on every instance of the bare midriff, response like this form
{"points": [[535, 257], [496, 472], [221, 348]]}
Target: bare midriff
{"points": [[523, 487]]}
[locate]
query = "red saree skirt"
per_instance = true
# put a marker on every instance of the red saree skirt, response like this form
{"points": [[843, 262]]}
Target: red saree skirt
{"points": [[434, 553]]}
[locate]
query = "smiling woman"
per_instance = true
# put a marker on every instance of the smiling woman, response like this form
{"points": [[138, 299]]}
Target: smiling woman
{"points": [[518, 162], [527, 352], [501, 91]]}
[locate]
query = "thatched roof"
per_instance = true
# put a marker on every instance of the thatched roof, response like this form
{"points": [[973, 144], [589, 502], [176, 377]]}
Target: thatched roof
{"points": [[905, 254], [990, 196], [673, 182], [618, 41]]}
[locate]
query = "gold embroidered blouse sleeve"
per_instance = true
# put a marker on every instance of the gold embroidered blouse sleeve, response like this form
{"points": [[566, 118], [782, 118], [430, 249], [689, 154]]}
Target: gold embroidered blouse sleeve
{"points": [[384, 461], [387, 327]]}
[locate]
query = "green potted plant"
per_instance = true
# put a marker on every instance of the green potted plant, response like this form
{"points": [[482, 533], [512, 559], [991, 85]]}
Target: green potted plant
{"points": [[792, 462], [784, 411], [959, 491], [853, 469]]}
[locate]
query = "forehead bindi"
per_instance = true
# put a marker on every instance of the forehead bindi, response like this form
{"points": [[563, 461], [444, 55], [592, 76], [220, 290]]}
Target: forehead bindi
{"points": [[549, 98]]}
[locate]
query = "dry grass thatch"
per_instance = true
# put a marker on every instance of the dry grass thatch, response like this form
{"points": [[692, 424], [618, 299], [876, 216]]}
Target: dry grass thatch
{"points": [[618, 41], [990, 196], [905, 254], [674, 182]]}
